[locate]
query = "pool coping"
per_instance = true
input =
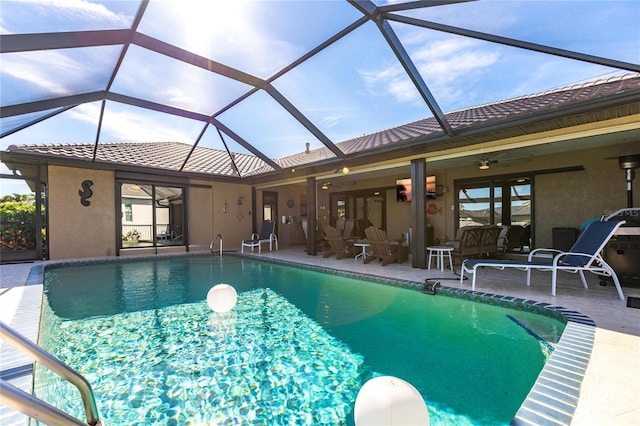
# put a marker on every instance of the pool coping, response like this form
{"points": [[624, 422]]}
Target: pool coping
{"points": [[554, 396]]}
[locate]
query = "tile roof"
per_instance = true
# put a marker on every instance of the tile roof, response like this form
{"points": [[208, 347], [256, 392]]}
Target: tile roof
{"points": [[160, 155], [426, 133], [483, 114]]}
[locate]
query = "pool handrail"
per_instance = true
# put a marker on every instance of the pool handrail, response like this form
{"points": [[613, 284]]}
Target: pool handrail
{"points": [[33, 407], [216, 238]]}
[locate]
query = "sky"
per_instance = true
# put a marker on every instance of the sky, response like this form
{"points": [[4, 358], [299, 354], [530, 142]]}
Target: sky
{"points": [[354, 87]]}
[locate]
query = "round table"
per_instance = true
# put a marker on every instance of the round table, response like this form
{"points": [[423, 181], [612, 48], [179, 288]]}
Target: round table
{"points": [[364, 253], [438, 252]]}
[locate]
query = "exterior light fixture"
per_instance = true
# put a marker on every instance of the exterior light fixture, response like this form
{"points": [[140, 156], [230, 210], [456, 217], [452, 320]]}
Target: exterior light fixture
{"points": [[325, 186], [345, 170], [486, 163]]}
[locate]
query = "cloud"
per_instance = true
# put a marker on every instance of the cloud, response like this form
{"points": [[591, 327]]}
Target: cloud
{"points": [[53, 73], [177, 96], [332, 120], [390, 80], [441, 64], [80, 9], [447, 70], [29, 68], [132, 124]]}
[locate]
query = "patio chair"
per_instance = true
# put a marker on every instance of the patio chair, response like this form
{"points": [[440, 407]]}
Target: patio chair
{"points": [[467, 243], [583, 256], [381, 248], [349, 225], [266, 235], [337, 244], [515, 237]]}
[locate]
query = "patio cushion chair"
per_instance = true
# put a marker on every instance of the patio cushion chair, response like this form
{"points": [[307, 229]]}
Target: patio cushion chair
{"points": [[337, 244], [266, 235], [475, 241], [489, 240], [585, 255], [515, 238], [381, 247], [467, 244]]}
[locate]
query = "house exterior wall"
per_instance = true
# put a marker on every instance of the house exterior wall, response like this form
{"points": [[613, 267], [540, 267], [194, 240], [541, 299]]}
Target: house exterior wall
{"points": [[570, 199], [223, 208], [296, 193], [564, 199], [561, 200], [77, 231], [398, 215]]}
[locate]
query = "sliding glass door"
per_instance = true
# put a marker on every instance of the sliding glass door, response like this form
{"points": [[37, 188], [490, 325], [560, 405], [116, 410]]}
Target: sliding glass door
{"points": [[151, 216], [503, 201], [476, 204]]}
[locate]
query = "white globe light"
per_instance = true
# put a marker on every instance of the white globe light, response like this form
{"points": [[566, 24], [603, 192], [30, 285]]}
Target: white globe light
{"points": [[222, 298], [389, 401]]}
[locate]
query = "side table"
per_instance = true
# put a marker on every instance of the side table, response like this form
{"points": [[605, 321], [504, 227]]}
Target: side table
{"points": [[438, 252], [364, 253]]}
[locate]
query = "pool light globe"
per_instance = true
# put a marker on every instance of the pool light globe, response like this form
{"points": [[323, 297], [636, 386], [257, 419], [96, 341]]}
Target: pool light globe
{"points": [[389, 401], [222, 298]]}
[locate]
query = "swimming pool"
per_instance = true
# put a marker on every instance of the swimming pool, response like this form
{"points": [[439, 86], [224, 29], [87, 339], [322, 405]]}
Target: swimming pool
{"points": [[295, 350]]}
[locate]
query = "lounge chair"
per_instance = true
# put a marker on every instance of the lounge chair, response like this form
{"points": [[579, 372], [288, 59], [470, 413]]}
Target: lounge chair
{"points": [[381, 248], [337, 244], [583, 256], [266, 235]]}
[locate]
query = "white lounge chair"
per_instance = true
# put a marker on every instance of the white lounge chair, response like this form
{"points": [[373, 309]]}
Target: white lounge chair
{"points": [[266, 235], [583, 256]]}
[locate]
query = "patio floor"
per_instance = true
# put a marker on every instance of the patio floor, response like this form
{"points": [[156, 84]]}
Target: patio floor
{"points": [[610, 392]]}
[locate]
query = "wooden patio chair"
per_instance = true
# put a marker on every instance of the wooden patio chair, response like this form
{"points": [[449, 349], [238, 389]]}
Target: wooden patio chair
{"points": [[337, 244], [381, 247]]}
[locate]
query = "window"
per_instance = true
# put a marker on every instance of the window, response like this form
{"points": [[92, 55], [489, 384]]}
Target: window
{"points": [[128, 211], [504, 201]]}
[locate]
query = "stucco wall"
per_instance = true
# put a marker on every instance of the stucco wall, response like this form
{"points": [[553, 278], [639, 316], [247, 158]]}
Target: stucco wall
{"points": [[293, 192], [77, 231], [560, 199], [569, 199], [398, 214], [223, 209]]}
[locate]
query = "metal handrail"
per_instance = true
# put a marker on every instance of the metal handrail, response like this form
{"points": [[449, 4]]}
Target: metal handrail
{"points": [[216, 238], [26, 405]]}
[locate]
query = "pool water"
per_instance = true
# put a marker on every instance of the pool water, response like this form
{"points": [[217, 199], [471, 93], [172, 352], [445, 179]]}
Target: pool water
{"points": [[295, 350]]}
